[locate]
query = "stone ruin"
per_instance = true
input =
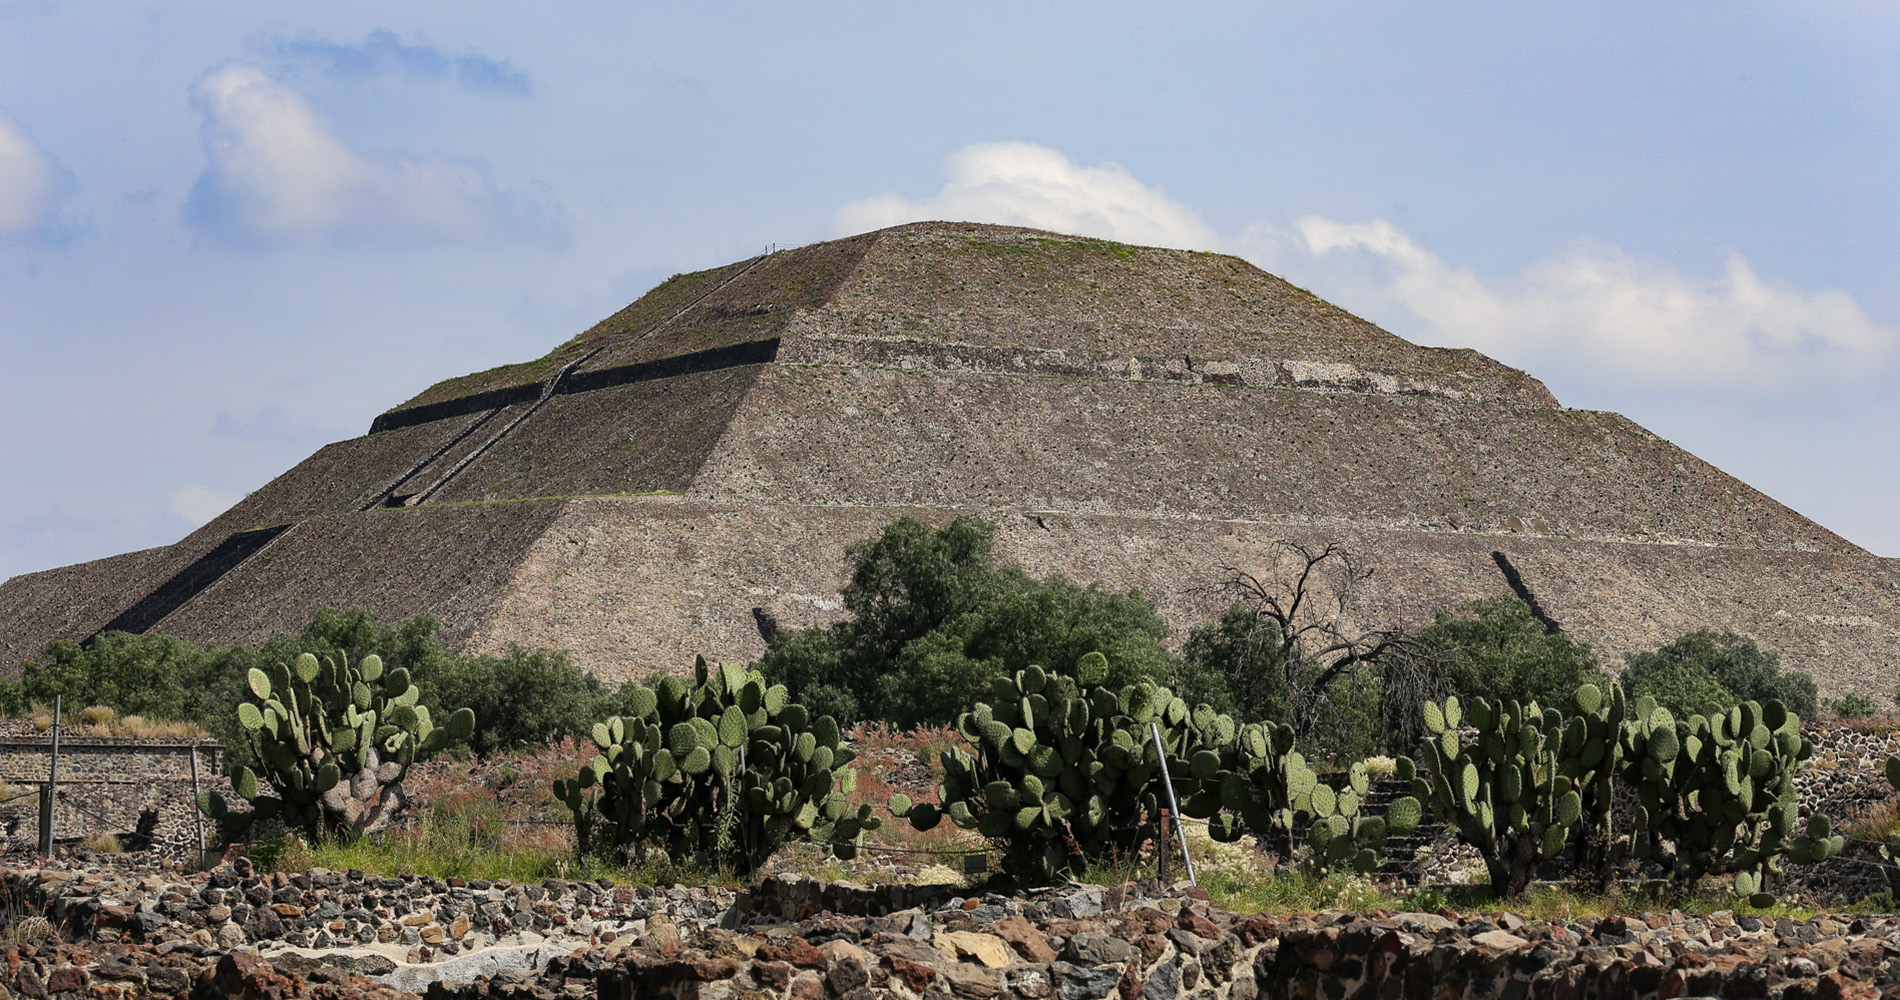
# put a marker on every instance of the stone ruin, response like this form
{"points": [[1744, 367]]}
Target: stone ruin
{"points": [[687, 473]]}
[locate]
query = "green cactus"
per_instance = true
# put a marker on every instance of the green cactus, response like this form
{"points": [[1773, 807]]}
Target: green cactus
{"points": [[721, 771], [1512, 792], [1591, 746], [1342, 835], [1890, 846], [1716, 794], [1064, 773], [334, 742]]}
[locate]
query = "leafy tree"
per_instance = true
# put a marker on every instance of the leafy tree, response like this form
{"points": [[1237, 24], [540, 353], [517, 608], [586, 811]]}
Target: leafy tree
{"points": [[1498, 649], [1234, 665], [525, 697], [156, 676], [1721, 667], [933, 621]]}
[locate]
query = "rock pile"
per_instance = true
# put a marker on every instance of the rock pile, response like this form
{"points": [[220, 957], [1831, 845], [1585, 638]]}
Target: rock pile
{"points": [[1089, 945], [98, 939]]}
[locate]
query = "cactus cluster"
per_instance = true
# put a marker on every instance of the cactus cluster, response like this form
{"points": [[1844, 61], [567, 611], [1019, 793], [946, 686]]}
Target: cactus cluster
{"points": [[1343, 836], [721, 770], [1066, 773], [1716, 794], [1592, 748], [1276, 796], [1276, 779], [1064, 768], [1202, 750], [334, 742], [1515, 791]]}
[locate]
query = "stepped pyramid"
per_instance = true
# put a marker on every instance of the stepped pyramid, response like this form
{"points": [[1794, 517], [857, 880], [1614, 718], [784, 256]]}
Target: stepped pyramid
{"points": [[690, 470]]}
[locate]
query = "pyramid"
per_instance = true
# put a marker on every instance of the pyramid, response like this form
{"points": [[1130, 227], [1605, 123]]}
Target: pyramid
{"points": [[686, 475]]}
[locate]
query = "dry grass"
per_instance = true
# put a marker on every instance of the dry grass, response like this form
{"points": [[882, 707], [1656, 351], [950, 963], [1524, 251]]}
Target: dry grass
{"points": [[1875, 822], [139, 727], [101, 722], [104, 843]]}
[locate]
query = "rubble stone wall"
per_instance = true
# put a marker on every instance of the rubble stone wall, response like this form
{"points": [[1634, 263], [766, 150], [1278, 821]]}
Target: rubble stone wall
{"points": [[138, 791], [107, 935]]}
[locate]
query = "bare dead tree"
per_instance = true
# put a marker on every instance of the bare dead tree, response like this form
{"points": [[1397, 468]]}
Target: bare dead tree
{"points": [[1305, 605]]}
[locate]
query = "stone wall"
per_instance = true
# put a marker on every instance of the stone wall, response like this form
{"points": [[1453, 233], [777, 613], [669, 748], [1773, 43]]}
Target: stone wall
{"points": [[325, 935], [138, 791]]}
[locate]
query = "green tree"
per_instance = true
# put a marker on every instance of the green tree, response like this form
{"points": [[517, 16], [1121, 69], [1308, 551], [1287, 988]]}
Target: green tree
{"points": [[1497, 649], [1234, 664], [524, 697], [1721, 667], [933, 621]]}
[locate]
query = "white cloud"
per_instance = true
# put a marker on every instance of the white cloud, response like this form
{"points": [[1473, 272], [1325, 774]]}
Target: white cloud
{"points": [[198, 505], [1022, 184], [31, 183], [277, 172], [1594, 312], [1594, 309]]}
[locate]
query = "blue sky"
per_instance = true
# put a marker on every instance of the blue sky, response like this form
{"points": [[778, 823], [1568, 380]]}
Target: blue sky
{"points": [[232, 232]]}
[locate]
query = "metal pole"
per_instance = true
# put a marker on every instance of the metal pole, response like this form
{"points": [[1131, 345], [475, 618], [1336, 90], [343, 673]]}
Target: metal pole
{"points": [[52, 783], [197, 814], [1155, 731]]}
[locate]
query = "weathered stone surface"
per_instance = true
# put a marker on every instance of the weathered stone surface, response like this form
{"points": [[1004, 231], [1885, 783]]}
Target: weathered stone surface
{"points": [[985, 948], [1108, 411], [1030, 943], [1097, 949]]}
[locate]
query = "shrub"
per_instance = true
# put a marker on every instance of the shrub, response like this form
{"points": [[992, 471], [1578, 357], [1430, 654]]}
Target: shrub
{"points": [[1720, 668], [1852, 705], [1497, 649], [1234, 665], [933, 622], [532, 695]]}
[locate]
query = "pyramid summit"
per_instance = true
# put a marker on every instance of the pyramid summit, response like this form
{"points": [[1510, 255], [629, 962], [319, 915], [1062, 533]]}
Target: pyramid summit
{"points": [[695, 465]]}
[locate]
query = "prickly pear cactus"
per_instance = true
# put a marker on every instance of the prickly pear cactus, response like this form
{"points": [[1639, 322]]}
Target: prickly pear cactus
{"points": [[1343, 836], [333, 743], [720, 771], [1506, 790], [1281, 800], [1890, 848], [1271, 779], [1717, 794], [1066, 772], [1591, 745]]}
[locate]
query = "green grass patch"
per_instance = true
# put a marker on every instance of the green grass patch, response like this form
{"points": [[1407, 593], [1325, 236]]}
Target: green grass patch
{"points": [[473, 841]]}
